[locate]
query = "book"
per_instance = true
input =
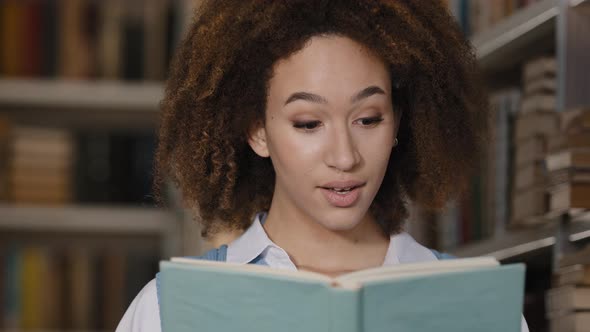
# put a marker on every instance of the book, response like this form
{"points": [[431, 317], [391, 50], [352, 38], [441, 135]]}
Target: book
{"points": [[155, 16], [566, 175], [536, 124], [573, 322], [578, 274], [74, 49], [529, 176], [133, 57], [529, 150], [527, 203], [110, 39], [539, 103], [452, 295], [569, 195], [34, 262], [568, 298], [12, 29], [571, 140], [539, 68], [576, 119], [544, 86], [81, 274], [581, 256], [112, 294], [4, 158], [572, 158]]}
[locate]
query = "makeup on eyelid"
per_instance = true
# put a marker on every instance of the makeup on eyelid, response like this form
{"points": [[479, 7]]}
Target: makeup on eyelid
{"points": [[312, 124]]}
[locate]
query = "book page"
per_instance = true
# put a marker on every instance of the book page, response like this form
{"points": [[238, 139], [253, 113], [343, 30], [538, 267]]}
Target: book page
{"points": [[257, 269], [353, 280], [414, 269]]}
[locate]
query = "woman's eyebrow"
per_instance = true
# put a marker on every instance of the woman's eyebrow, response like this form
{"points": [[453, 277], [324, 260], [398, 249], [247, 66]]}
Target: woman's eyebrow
{"points": [[313, 98], [366, 93], [306, 96]]}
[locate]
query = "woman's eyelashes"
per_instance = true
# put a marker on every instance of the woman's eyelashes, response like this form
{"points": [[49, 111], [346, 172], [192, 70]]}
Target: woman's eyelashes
{"points": [[307, 125], [310, 126], [370, 122]]}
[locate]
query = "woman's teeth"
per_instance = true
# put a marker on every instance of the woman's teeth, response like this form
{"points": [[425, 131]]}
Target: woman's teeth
{"points": [[341, 190]]}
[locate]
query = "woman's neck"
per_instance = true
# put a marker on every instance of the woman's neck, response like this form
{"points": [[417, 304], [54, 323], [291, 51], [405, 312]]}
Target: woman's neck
{"points": [[314, 247]]}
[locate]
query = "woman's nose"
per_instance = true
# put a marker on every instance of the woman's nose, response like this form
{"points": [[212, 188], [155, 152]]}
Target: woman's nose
{"points": [[342, 152]]}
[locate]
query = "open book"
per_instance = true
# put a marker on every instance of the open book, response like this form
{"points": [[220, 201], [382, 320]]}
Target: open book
{"points": [[473, 294]]}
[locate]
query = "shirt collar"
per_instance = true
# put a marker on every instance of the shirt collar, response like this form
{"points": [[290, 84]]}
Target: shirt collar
{"points": [[251, 244], [255, 244]]}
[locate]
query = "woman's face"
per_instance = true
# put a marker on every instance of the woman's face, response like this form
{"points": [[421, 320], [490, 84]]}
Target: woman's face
{"points": [[329, 131]]}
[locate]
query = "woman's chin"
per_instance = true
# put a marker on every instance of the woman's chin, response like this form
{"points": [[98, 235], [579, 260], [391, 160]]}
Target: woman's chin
{"points": [[342, 222]]}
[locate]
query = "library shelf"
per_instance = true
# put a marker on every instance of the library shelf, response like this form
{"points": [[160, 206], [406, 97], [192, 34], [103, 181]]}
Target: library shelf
{"points": [[82, 94], [514, 38], [516, 243], [87, 219]]}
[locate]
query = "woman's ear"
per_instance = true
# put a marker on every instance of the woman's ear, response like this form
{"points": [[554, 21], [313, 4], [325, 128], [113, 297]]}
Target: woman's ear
{"points": [[257, 140]]}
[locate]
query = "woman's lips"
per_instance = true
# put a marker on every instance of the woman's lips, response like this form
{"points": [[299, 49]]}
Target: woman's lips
{"points": [[343, 198]]}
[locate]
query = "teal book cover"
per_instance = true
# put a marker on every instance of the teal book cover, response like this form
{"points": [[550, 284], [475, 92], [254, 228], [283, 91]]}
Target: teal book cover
{"points": [[458, 295]]}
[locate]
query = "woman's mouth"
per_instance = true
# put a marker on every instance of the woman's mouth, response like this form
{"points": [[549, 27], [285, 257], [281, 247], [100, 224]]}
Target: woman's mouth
{"points": [[342, 196]]}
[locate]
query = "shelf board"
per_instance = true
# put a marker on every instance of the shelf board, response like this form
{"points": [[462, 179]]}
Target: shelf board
{"points": [[82, 95], [86, 219], [515, 243], [510, 40]]}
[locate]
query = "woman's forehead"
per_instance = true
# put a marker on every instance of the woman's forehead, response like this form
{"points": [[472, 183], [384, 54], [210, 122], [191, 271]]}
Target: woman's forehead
{"points": [[331, 66]]}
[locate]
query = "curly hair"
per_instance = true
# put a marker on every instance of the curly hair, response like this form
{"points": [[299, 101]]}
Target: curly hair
{"points": [[218, 86]]}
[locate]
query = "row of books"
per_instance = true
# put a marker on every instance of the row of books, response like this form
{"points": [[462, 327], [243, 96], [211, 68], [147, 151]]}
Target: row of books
{"points": [[54, 166], [568, 301], [84, 39], [43, 288], [475, 16], [484, 209]]}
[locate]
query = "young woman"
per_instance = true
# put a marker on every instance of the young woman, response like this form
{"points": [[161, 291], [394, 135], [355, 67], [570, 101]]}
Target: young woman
{"points": [[309, 126]]}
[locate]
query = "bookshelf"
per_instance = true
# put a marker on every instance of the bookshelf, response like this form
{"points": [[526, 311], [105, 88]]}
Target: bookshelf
{"points": [[520, 243], [120, 235], [502, 45], [501, 49], [133, 105], [544, 29], [82, 95]]}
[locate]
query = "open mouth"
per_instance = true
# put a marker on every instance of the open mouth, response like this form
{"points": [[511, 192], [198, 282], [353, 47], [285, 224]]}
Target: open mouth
{"points": [[341, 191]]}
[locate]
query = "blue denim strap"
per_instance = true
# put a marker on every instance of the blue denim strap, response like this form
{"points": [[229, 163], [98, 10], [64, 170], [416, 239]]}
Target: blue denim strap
{"points": [[441, 255]]}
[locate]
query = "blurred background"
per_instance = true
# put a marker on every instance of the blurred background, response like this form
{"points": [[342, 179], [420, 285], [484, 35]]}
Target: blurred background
{"points": [[80, 83]]}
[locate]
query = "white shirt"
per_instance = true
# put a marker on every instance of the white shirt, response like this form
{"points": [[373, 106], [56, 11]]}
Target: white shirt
{"points": [[143, 315]]}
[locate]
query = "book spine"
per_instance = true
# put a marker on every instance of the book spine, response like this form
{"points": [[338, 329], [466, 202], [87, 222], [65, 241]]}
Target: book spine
{"points": [[346, 310]]}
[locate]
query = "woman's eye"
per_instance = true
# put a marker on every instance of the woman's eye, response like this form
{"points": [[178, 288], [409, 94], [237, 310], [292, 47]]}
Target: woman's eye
{"points": [[311, 125], [370, 121]]}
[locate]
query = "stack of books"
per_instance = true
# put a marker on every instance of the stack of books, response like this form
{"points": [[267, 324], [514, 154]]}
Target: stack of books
{"points": [[4, 155], [40, 165], [537, 121], [568, 163], [568, 302]]}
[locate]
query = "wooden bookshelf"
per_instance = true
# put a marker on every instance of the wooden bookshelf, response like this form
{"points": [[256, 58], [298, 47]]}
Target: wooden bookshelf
{"points": [[82, 104], [529, 32], [520, 243], [519, 36], [87, 219], [82, 95]]}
